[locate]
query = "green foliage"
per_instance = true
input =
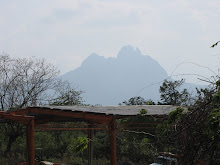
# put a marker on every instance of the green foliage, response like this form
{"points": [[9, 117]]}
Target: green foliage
{"points": [[195, 134], [213, 120], [101, 145], [213, 124], [175, 115], [150, 102], [66, 146], [80, 144], [170, 94], [71, 97], [137, 100], [17, 152], [166, 128], [136, 141], [216, 98], [143, 112]]}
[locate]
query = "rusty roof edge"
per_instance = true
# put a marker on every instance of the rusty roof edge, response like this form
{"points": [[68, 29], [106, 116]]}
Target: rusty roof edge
{"points": [[114, 110]]}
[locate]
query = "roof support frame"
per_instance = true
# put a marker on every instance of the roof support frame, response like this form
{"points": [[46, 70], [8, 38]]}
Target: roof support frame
{"points": [[30, 143], [103, 115], [112, 138], [105, 119]]}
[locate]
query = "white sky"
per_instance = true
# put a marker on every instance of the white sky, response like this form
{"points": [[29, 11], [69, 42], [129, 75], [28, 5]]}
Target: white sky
{"points": [[65, 32]]}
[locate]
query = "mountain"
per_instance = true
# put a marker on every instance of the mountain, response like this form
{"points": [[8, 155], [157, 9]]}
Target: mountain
{"points": [[109, 81]]}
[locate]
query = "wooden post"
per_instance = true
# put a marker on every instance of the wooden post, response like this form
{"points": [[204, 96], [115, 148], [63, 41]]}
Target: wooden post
{"points": [[30, 143], [90, 146], [112, 138]]}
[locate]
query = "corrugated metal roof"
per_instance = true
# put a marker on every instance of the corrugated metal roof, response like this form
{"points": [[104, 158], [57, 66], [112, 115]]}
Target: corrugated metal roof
{"points": [[132, 110]]}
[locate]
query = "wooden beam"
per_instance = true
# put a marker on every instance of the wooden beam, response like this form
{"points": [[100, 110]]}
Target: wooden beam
{"points": [[68, 129], [44, 120], [1, 115], [22, 112], [112, 138], [17, 118], [69, 125], [30, 143], [72, 114], [90, 146]]}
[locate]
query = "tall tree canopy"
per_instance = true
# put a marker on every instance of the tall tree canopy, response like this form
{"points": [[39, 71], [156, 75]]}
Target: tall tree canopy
{"points": [[28, 82], [170, 93], [24, 80], [67, 95], [23, 83], [138, 100]]}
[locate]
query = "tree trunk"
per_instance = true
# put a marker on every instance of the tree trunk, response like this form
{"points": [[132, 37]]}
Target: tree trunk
{"points": [[11, 140]]}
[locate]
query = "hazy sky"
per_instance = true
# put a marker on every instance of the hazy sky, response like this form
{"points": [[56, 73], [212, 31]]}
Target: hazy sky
{"points": [[65, 32]]}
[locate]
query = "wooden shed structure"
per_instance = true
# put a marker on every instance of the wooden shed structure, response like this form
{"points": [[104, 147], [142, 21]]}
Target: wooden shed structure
{"points": [[107, 115]]}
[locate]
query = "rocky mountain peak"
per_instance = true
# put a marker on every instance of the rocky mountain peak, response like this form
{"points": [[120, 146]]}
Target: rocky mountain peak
{"points": [[128, 51], [109, 81]]}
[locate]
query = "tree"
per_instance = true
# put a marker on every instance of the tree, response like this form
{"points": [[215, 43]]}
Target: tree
{"points": [[67, 95], [197, 132], [200, 128], [137, 100], [170, 94], [23, 82]]}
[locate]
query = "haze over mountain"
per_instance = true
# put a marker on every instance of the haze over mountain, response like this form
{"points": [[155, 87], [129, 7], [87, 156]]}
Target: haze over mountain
{"points": [[109, 81]]}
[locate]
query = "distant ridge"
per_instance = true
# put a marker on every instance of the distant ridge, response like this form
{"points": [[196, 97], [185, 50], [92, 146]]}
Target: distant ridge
{"points": [[109, 81]]}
